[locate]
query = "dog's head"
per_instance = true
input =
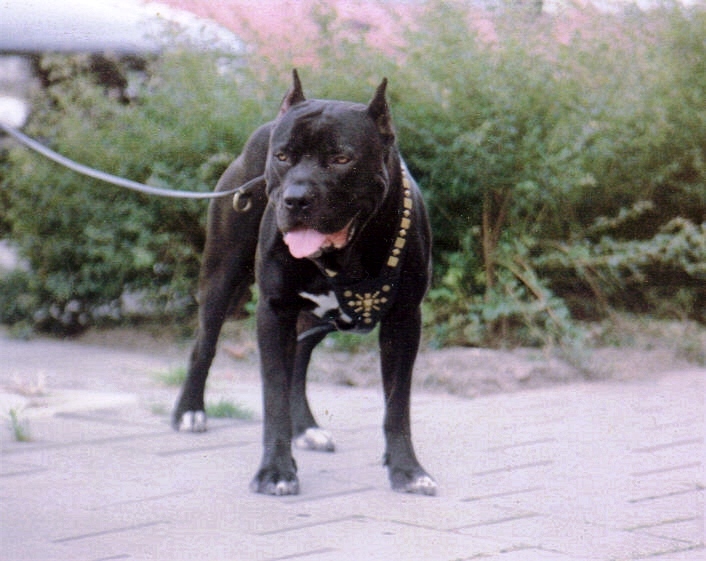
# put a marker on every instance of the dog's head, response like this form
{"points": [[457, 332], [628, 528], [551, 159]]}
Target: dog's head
{"points": [[327, 169]]}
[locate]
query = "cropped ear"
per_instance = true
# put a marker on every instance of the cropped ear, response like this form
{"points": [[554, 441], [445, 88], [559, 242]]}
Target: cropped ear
{"points": [[294, 95], [379, 112]]}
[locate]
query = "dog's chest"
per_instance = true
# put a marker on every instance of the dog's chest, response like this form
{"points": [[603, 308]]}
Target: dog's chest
{"points": [[327, 308], [357, 308]]}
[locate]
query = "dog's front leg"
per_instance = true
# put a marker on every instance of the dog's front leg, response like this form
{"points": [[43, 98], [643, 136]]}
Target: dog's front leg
{"points": [[276, 330], [399, 342]]}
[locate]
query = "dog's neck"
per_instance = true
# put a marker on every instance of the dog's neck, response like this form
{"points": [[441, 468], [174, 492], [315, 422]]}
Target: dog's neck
{"points": [[338, 266], [360, 296]]}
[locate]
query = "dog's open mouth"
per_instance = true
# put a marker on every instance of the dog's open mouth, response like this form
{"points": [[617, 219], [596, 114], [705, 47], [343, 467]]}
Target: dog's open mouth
{"points": [[307, 242]]}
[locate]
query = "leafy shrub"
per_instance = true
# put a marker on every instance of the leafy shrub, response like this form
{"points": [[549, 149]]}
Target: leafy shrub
{"points": [[89, 244], [18, 300], [564, 177], [524, 145]]}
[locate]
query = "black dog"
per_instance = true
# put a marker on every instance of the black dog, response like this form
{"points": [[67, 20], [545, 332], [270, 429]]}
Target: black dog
{"points": [[342, 242]]}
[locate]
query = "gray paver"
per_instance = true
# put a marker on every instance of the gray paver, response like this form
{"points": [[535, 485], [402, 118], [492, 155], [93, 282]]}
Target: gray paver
{"points": [[611, 471]]}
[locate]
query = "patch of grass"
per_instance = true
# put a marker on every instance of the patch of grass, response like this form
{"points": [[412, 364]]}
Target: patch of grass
{"points": [[159, 409], [225, 409], [172, 377], [19, 427], [686, 339], [352, 342], [692, 346], [22, 331]]}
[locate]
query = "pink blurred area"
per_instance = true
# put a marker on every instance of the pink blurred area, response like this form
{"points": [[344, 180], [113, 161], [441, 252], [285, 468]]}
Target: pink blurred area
{"points": [[286, 29]]}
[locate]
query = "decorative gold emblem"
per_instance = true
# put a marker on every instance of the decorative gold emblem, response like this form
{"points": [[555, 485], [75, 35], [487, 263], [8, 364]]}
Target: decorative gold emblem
{"points": [[367, 303]]}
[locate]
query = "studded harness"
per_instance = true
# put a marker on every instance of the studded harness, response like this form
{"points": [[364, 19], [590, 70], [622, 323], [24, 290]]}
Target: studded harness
{"points": [[362, 304]]}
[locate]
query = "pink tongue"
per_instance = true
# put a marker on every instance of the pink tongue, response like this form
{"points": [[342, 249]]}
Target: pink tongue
{"points": [[305, 242]]}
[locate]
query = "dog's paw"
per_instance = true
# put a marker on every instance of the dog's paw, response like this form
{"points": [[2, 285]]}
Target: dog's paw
{"points": [[417, 482], [422, 485], [271, 482], [317, 439], [192, 421]]}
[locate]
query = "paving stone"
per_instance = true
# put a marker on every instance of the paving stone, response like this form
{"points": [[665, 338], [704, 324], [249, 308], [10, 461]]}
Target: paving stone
{"points": [[610, 471]]}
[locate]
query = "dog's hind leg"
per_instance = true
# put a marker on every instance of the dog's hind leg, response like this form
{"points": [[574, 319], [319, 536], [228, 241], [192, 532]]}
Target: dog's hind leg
{"points": [[227, 272], [189, 414], [307, 433]]}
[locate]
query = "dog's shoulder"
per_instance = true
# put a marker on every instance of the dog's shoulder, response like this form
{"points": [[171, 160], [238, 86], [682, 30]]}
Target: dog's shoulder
{"points": [[250, 162], [254, 152]]}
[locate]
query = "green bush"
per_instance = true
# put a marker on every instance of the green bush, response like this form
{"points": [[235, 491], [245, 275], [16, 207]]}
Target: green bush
{"points": [[564, 178], [531, 151], [89, 244]]}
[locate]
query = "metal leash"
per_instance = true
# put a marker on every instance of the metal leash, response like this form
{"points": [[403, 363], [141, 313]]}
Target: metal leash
{"points": [[241, 199]]}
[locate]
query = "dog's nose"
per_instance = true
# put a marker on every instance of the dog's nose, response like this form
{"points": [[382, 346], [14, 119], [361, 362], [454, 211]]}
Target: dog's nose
{"points": [[298, 197]]}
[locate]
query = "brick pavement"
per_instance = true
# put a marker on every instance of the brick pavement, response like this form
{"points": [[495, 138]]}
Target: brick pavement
{"points": [[609, 471]]}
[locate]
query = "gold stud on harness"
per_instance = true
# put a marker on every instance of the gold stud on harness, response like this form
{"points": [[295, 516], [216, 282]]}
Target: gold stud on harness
{"points": [[394, 259]]}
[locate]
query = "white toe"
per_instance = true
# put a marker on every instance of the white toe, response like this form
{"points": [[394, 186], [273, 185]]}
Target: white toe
{"points": [[423, 485], [317, 439], [193, 421]]}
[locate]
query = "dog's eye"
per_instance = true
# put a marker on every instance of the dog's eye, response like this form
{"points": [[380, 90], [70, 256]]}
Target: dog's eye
{"points": [[340, 159], [281, 156]]}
